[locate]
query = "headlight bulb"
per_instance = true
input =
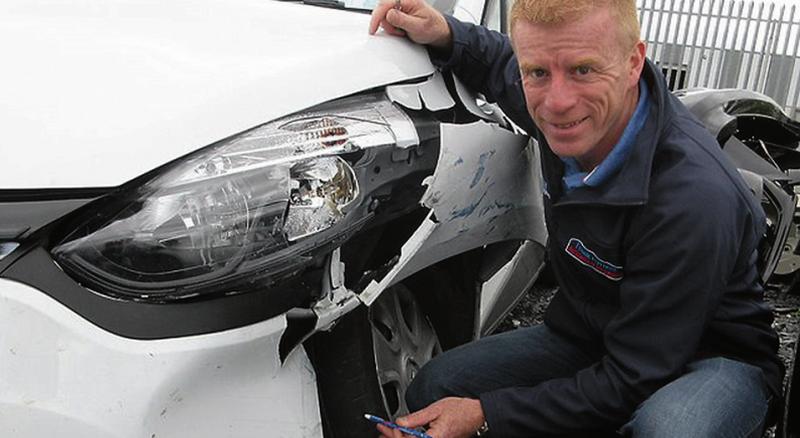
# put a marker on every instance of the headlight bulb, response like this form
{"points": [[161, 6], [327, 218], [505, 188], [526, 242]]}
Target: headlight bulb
{"points": [[320, 188]]}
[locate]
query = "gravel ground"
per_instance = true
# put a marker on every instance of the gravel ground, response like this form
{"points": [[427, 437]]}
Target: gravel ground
{"points": [[531, 307], [787, 321]]}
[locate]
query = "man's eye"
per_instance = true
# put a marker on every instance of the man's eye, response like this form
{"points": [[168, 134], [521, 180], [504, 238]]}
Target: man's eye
{"points": [[583, 70], [538, 73]]}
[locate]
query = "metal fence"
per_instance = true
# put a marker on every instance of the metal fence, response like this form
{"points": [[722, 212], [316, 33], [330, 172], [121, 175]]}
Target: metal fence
{"points": [[727, 44]]}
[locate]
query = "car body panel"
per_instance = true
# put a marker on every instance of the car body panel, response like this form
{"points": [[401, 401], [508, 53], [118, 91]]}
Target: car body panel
{"points": [[63, 376], [431, 94], [112, 89], [708, 105], [486, 189], [502, 291]]}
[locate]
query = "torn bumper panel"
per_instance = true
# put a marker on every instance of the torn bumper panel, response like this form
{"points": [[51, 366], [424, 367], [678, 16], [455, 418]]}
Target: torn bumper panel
{"points": [[471, 199]]}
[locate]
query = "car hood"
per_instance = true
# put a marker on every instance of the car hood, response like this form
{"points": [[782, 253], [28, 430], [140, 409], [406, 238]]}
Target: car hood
{"points": [[97, 92]]}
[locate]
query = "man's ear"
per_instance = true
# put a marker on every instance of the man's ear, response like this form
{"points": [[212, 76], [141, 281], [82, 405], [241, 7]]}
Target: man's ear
{"points": [[636, 62]]}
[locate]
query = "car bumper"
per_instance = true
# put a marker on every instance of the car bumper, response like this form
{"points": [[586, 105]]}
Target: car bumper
{"points": [[60, 375]]}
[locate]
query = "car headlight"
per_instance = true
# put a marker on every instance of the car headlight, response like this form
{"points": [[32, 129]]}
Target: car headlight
{"points": [[243, 212]]}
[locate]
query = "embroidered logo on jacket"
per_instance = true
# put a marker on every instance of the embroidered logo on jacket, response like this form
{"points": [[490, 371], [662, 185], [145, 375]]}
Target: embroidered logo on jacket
{"points": [[587, 257]]}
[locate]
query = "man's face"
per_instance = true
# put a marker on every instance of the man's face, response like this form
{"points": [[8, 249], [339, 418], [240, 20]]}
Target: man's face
{"points": [[579, 82]]}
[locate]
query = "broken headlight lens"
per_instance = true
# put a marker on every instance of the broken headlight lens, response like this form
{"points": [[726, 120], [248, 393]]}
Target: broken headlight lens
{"points": [[238, 214]]}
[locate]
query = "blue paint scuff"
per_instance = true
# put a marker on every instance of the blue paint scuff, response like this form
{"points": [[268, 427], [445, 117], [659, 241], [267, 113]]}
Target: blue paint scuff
{"points": [[468, 210], [481, 167]]}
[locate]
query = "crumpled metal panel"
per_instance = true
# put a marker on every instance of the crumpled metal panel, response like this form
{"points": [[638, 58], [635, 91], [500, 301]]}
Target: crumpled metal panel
{"points": [[432, 94], [486, 189]]}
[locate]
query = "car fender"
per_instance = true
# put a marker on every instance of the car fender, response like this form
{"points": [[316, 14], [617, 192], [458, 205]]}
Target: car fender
{"points": [[486, 189]]}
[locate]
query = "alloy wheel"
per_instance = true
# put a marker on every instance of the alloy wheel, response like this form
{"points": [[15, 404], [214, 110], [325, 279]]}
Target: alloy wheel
{"points": [[403, 340]]}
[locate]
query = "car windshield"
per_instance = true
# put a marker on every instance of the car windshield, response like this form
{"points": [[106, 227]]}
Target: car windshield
{"points": [[445, 6]]}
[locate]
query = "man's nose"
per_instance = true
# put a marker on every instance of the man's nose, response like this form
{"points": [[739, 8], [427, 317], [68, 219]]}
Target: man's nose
{"points": [[560, 95]]}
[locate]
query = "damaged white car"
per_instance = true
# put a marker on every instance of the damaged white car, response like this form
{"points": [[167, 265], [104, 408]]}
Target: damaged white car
{"points": [[242, 218]]}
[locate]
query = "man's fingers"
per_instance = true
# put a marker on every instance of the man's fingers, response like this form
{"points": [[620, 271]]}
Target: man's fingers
{"points": [[435, 431], [397, 18], [375, 20], [411, 23], [379, 15], [388, 433], [391, 29], [419, 418]]}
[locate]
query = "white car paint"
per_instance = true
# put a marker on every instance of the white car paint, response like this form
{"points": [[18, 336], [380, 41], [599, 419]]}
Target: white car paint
{"points": [[64, 377], [110, 89], [106, 90]]}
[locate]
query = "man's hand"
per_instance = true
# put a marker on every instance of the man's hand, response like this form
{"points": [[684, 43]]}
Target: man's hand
{"points": [[414, 18], [450, 417]]}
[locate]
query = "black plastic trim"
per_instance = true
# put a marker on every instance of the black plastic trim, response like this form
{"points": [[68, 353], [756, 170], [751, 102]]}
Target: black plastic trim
{"points": [[53, 194], [20, 219], [9, 233], [159, 321], [744, 158]]}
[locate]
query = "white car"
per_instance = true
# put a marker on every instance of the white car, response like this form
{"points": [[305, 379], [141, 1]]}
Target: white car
{"points": [[242, 218]]}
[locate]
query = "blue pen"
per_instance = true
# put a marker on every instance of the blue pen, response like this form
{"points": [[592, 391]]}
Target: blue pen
{"points": [[391, 425]]}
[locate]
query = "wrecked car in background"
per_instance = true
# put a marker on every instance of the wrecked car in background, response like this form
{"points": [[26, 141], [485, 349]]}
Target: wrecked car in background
{"points": [[241, 219]]}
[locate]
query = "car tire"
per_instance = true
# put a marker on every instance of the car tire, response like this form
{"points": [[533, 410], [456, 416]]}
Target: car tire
{"points": [[365, 364]]}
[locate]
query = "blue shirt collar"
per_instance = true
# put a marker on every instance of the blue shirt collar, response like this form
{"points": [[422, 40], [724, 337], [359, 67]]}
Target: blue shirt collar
{"points": [[574, 177]]}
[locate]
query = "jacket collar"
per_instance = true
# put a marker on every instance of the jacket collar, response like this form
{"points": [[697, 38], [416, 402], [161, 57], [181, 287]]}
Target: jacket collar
{"points": [[631, 184], [574, 177]]}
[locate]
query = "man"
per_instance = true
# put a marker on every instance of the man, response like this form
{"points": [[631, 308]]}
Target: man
{"points": [[659, 328]]}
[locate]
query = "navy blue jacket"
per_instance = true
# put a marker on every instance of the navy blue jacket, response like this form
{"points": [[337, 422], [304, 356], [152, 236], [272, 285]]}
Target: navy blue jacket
{"points": [[657, 266]]}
